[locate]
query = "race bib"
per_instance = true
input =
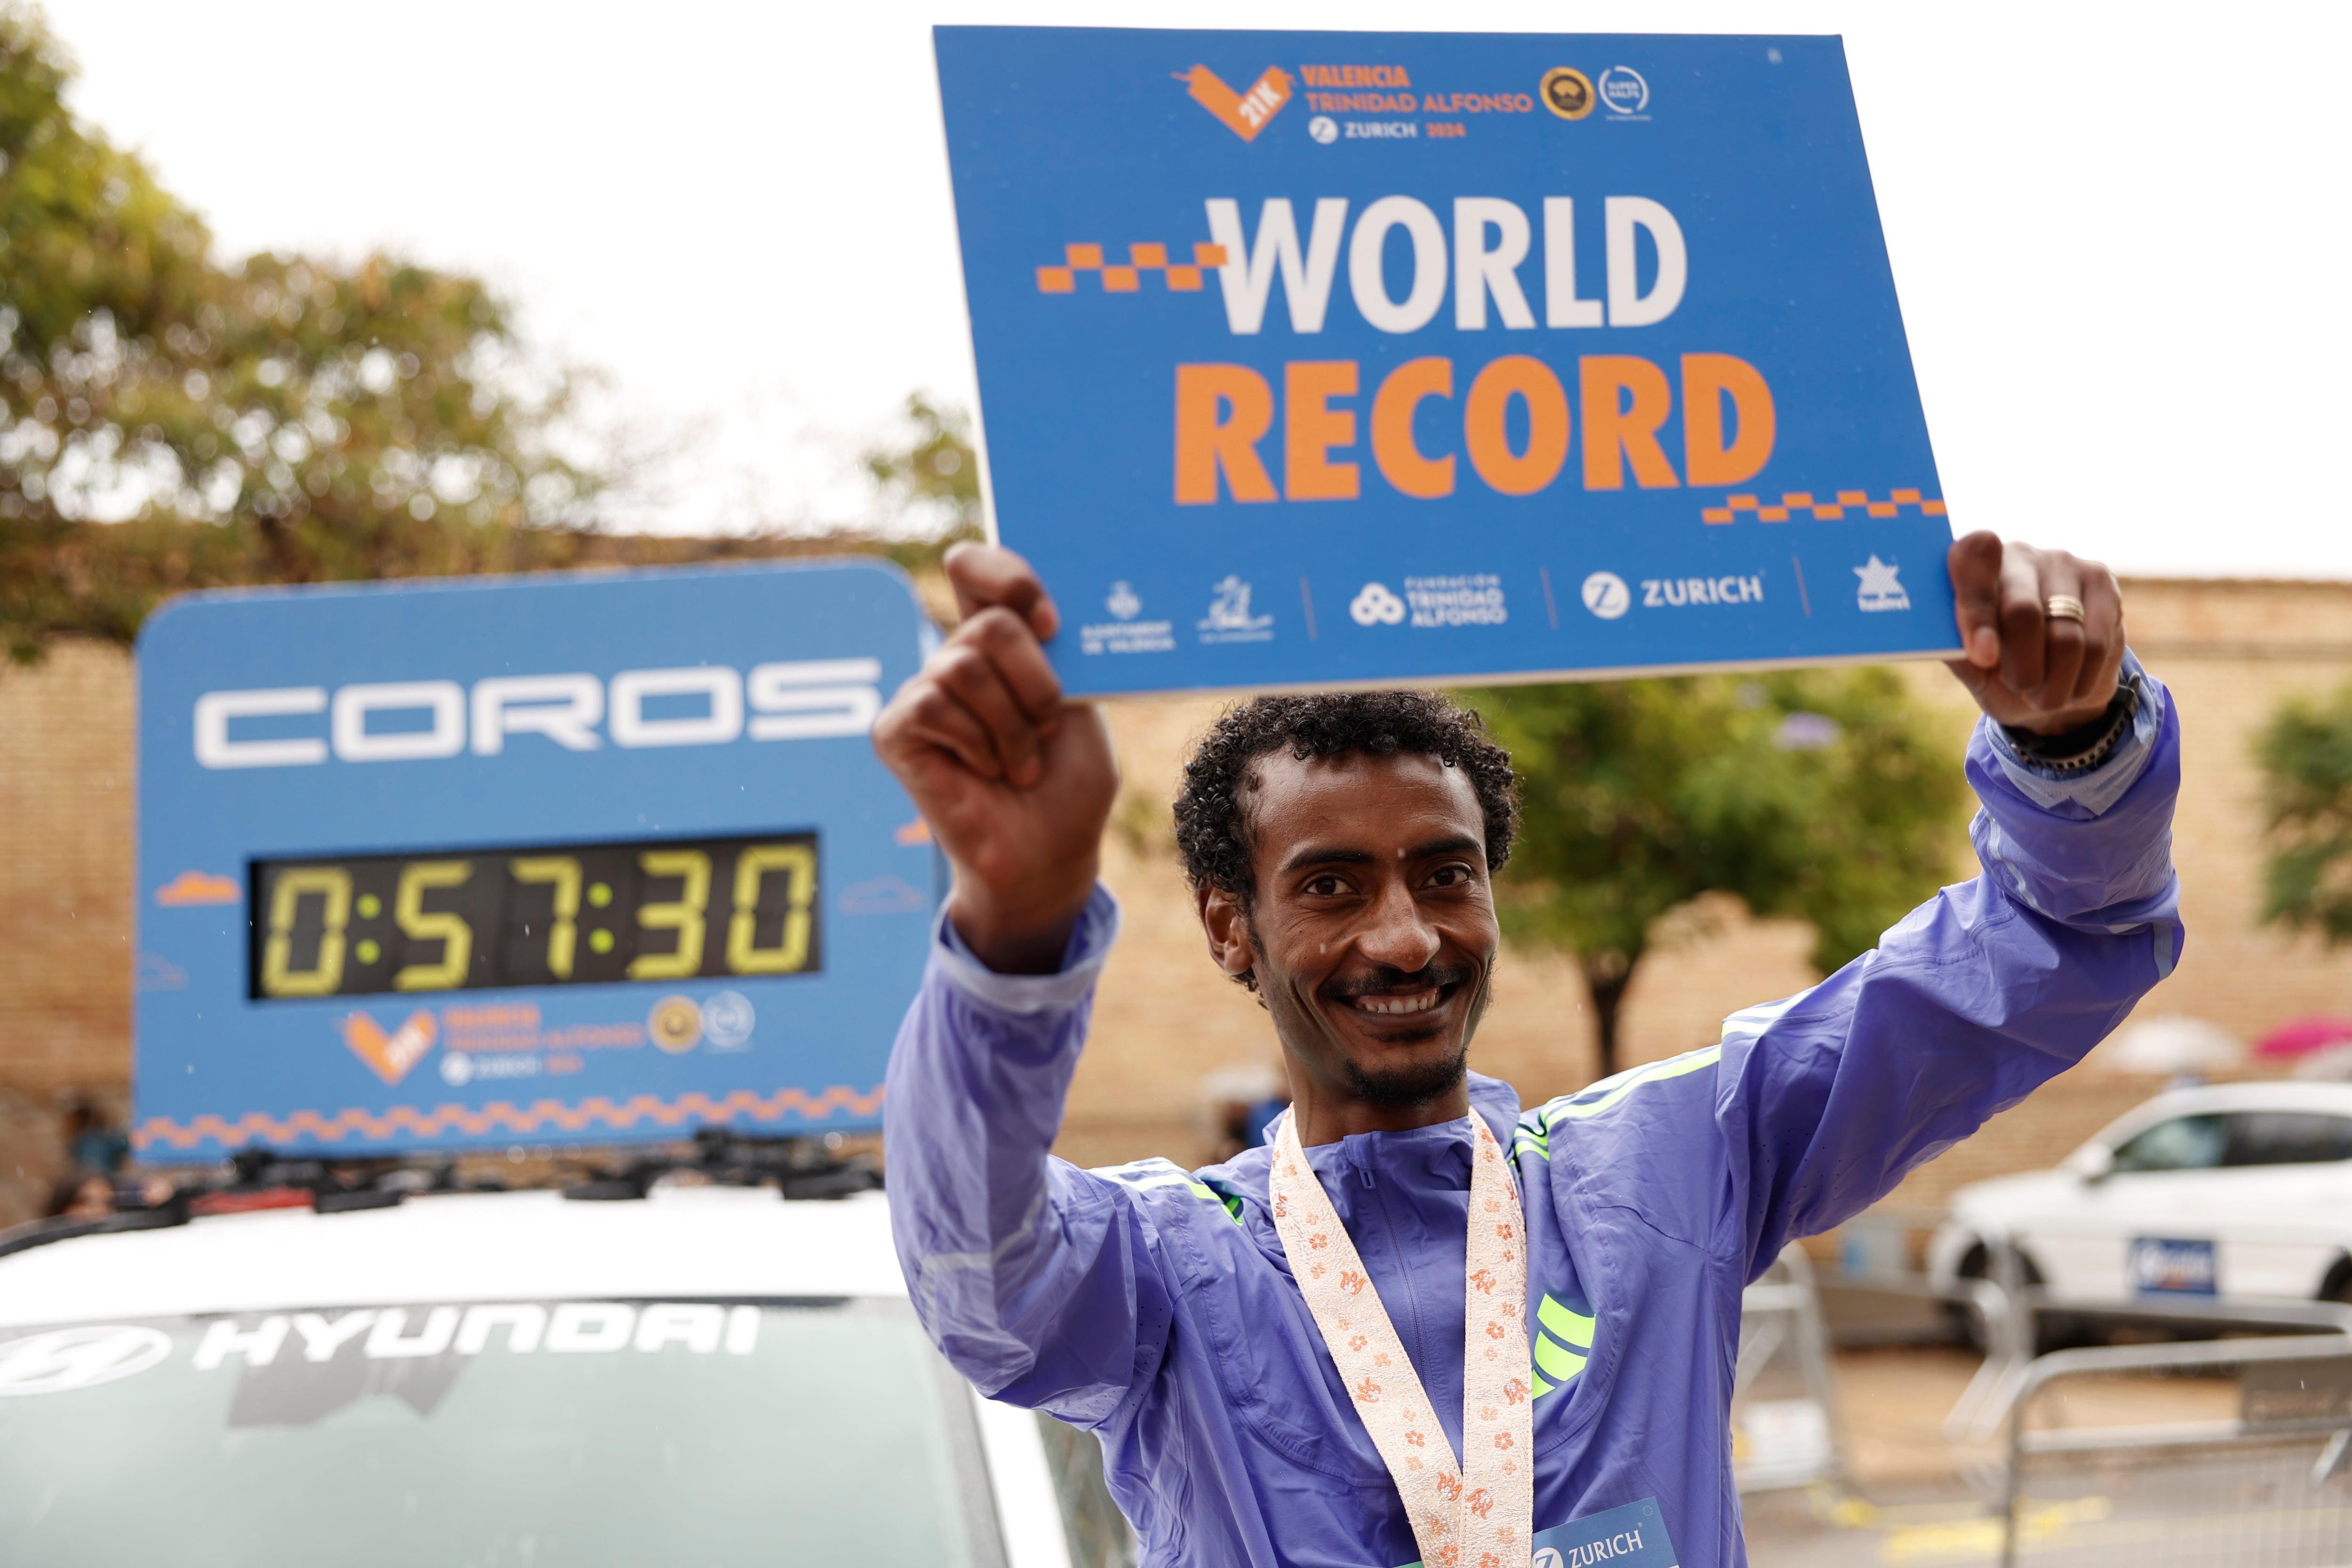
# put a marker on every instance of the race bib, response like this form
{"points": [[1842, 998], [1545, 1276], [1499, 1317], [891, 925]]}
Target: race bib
{"points": [[1634, 1536]]}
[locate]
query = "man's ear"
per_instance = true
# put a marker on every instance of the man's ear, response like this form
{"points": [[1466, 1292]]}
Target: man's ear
{"points": [[1227, 928]]}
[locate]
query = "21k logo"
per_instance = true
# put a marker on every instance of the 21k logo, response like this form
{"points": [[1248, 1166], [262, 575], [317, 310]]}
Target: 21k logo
{"points": [[1243, 113], [390, 1057]]}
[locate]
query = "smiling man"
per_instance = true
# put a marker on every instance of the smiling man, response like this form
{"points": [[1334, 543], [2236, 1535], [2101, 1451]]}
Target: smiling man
{"points": [[1424, 1325]]}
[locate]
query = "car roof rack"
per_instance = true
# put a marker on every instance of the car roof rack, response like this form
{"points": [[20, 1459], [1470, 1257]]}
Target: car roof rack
{"points": [[801, 1168]]}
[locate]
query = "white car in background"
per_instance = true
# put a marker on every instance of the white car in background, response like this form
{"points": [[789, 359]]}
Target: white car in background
{"points": [[708, 1375], [2239, 1190]]}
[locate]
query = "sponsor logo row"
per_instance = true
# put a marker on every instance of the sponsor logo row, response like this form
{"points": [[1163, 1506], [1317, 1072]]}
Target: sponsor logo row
{"points": [[1619, 92], [1468, 599]]}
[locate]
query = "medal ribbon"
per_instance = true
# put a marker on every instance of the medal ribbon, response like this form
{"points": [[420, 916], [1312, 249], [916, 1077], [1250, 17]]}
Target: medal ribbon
{"points": [[1482, 1514]]}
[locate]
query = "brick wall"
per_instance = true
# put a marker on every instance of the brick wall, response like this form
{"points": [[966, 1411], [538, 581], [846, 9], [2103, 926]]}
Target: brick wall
{"points": [[65, 906], [1168, 1023]]}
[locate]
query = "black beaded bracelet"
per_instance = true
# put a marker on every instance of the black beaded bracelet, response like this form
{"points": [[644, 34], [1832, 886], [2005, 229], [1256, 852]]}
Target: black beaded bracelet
{"points": [[2085, 746]]}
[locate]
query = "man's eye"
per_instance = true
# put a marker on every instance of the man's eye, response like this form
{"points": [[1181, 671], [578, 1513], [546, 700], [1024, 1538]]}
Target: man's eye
{"points": [[1450, 876], [1326, 887]]}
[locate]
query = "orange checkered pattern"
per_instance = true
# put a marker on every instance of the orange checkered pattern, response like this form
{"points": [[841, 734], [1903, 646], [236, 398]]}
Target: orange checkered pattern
{"points": [[541, 1116], [1795, 501], [1141, 258]]}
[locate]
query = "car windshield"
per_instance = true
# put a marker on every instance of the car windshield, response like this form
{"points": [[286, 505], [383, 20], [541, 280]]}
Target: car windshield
{"points": [[542, 1434]]}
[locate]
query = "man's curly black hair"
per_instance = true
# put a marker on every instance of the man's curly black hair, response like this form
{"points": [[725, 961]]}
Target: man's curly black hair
{"points": [[1213, 819]]}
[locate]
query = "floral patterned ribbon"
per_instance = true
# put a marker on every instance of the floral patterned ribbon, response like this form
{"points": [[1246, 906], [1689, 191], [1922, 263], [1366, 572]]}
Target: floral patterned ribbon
{"points": [[1482, 1515]]}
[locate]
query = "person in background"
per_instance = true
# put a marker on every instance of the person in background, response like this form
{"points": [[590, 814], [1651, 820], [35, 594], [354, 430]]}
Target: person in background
{"points": [[1257, 1121], [82, 1194], [92, 1141]]}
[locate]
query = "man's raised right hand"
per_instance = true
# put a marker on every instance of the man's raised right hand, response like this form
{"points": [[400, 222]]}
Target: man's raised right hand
{"points": [[1016, 783]]}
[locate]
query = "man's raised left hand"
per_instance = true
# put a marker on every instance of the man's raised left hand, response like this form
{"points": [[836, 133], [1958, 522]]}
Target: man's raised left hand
{"points": [[2025, 666]]}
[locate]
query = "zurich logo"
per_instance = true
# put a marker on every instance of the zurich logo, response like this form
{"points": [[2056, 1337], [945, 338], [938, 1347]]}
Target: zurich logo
{"points": [[67, 1359], [1376, 607], [1606, 596]]}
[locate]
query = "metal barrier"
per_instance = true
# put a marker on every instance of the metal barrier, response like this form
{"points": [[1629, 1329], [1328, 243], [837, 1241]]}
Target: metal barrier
{"points": [[2012, 1314], [1787, 1428], [2010, 1309], [2267, 1487]]}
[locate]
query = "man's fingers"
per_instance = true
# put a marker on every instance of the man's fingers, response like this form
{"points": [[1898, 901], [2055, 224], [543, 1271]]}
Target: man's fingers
{"points": [[2022, 662], [987, 575], [1013, 647], [975, 681], [929, 716], [2103, 634], [989, 696], [2062, 640], [1975, 563]]}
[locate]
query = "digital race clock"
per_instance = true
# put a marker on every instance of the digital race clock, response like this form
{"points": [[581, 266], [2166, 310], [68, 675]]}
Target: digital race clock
{"points": [[528, 861], [548, 915]]}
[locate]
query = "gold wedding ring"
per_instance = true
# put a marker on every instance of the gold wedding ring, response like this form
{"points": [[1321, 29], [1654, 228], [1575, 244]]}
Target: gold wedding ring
{"points": [[2062, 608]]}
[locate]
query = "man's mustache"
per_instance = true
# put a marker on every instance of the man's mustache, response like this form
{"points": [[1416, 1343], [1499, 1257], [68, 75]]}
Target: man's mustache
{"points": [[1376, 981]]}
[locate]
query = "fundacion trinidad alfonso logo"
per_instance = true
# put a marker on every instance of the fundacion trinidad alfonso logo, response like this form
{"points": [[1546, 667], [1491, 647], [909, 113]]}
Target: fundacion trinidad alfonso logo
{"points": [[1376, 605]]}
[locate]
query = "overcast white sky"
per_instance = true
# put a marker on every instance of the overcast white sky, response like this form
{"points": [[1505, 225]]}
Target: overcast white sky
{"points": [[2118, 231]]}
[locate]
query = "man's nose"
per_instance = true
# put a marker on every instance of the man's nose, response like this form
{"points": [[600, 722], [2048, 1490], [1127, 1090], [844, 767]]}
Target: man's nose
{"points": [[1399, 935]]}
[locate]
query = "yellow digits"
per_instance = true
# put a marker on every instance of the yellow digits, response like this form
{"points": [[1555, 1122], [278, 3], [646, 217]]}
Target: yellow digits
{"points": [[790, 952], [563, 936], [683, 914], [278, 977], [457, 938]]}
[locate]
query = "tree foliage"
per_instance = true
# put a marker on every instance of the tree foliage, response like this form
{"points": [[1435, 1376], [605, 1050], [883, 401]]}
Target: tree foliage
{"points": [[935, 470], [171, 422], [1823, 796], [2305, 755], [167, 422]]}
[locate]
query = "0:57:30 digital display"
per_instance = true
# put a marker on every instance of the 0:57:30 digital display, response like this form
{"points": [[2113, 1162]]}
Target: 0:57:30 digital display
{"points": [[664, 910]]}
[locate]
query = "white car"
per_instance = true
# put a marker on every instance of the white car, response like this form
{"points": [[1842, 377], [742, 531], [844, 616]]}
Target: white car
{"points": [[2241, 1189], [710, 1376]]}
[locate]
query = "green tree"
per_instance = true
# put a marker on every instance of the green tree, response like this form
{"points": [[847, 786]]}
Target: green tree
{"points": [[2305, 755], [167, 422], [930, 467], [1820, 794]]}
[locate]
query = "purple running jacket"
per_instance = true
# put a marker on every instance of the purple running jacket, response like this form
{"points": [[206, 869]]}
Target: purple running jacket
{"points": [[1154, 1306]]}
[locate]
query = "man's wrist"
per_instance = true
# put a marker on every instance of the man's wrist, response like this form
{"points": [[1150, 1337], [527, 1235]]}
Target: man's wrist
{"points": [[2081, 745], [1023, 936], [2041, 727]]}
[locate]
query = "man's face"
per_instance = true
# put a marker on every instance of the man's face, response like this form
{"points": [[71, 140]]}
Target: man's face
{"points": [[1373, 933]]}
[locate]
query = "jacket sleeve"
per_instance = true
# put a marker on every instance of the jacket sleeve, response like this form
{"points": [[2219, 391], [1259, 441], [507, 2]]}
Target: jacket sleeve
{"points": [[1978, 997], [1036, 1279]]}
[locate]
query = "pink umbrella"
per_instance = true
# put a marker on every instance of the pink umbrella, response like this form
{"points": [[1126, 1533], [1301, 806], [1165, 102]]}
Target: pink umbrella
{"points": [[2304, 1035]]}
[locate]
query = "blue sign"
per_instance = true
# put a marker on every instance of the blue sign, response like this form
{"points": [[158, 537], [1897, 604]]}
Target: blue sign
{"points": [[565, 860], [2166, 1266], [1316, 357]]}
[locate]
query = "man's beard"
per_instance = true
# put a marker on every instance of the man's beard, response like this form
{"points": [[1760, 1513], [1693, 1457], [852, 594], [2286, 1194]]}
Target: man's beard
{"points": [[1422, 1082], [1411, 1085]]}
